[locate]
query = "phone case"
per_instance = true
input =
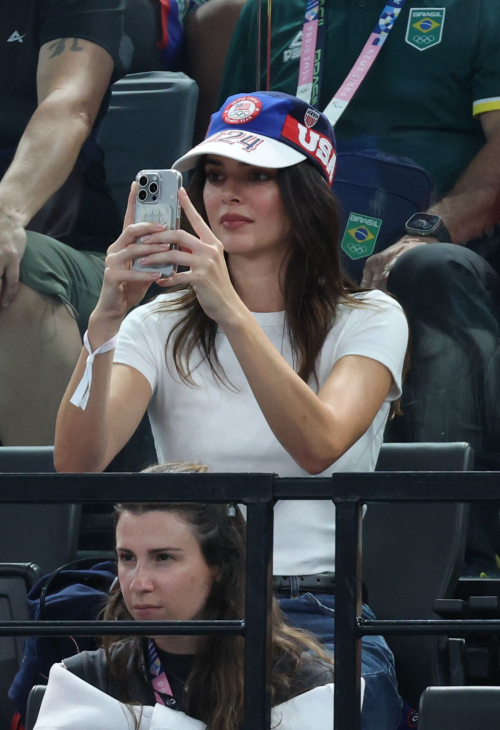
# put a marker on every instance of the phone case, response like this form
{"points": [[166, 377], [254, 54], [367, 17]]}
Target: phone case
{"points": [[158, 204]]}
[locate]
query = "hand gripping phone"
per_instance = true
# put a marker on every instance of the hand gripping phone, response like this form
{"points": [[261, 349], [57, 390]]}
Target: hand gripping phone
{"points": [[157, 202]]}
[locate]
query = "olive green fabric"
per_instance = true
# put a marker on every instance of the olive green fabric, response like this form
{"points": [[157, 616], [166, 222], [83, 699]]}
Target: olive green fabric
{"points": [[414, 103], [73, 277]]}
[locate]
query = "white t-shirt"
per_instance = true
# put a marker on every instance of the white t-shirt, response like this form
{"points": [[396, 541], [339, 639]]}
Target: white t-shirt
{"points": [[224, 428]]}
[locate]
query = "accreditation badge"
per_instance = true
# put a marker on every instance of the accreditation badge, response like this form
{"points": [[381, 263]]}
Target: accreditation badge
{"points": [[425, 27]]}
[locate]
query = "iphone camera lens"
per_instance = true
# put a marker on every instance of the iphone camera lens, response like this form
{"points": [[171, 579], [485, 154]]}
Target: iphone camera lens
{"points": [[153, 188], [143, 181], [142, 195]]}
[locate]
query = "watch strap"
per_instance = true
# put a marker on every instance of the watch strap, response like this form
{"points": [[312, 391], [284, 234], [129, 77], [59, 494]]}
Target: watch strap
{"points": [[441, 232]]}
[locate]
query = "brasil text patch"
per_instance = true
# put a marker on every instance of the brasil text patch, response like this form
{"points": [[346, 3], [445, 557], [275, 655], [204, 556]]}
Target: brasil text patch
{"points": [[425, 27], [360, 235]]}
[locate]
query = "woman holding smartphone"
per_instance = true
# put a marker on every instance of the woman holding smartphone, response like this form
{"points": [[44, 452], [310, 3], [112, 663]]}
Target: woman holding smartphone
{"points": [[264, 358], [178, 562]]}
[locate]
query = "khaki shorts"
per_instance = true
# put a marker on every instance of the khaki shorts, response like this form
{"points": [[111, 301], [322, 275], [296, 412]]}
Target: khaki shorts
{"points": [[73, 277]]}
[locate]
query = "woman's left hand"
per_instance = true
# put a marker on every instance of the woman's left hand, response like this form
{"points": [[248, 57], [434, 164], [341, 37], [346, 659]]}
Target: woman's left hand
{"points": [[208, 274]]}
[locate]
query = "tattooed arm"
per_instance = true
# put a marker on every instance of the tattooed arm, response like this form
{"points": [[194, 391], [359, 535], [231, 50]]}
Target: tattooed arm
{"points": [[72, 77]]}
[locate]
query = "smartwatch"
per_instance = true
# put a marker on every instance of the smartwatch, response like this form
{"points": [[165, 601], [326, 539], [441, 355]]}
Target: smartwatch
{"points": [[428, 224]]}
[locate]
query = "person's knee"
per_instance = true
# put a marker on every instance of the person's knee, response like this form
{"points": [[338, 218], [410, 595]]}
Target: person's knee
{"points": [[433, 276], [35, 319], [26, 310], [428, 265]]}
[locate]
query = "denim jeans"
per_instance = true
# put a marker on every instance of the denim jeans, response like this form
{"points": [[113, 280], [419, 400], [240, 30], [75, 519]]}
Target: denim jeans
{"points": [[382, 704]]}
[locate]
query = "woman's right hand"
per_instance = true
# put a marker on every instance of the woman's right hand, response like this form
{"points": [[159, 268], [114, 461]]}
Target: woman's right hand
{"points": [[122, 287]]}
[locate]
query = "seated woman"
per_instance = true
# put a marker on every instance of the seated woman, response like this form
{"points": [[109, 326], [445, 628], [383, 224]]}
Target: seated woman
{"points": [[265, 357], [177, 562]]}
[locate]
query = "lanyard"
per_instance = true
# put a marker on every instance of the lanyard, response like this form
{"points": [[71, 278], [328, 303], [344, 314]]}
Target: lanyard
{"points": [[313, 46], [161, 685]]}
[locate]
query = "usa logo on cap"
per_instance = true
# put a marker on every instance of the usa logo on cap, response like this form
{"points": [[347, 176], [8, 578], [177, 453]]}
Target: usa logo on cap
{"points": [[311, 117], [242, 110]]}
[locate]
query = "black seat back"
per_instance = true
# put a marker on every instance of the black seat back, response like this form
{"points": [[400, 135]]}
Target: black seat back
{"points": [[412, 554], [149, 125], [43, 533], [466, 708], [34, 703], [16, 579]]}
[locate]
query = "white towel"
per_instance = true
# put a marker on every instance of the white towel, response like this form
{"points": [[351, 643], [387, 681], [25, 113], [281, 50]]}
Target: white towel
{"points": [[70, 703]]}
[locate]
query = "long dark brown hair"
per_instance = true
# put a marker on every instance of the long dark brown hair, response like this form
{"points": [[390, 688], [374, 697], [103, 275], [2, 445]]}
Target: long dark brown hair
{"points": [[214, 688], [314, 283]]}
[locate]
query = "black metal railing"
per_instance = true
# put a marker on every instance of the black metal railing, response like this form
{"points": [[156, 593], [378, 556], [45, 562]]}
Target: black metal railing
{"points": [[259, 492], [351, 492]]}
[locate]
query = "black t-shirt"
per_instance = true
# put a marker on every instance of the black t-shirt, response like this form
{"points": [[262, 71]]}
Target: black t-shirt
{"points": [[177, 668], [26, 26]]}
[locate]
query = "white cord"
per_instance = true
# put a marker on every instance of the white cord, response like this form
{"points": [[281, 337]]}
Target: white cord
{"points": [[81, 395]]}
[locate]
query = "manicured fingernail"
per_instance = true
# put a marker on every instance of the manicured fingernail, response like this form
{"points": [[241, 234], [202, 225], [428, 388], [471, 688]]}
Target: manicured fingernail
{"points": [[182, 191], [164, 245], [155, 274], [146, 239], [143, 261]]}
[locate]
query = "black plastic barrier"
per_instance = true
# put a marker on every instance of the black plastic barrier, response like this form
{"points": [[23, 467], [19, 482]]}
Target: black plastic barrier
{"points": [[259, 492]]}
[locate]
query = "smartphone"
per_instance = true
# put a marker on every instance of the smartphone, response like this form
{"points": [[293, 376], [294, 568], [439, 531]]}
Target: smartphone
{"points": [[157, 202]]}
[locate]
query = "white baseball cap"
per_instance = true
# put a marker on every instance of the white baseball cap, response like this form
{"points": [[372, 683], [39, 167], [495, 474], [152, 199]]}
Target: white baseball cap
{"points": [[267, 129]]}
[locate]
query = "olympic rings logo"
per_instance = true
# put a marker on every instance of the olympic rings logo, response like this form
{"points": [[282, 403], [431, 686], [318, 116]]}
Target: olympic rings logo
{"points": [[357, 249], [424, 39]]}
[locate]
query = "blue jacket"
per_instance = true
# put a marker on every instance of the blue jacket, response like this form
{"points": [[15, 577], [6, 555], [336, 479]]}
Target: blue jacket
{"points": [[71, 595]]}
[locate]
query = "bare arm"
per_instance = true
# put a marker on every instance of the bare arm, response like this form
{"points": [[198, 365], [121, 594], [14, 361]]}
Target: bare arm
{"points": [[87, 440], [72, 77], [473, 205], [315, 429]]}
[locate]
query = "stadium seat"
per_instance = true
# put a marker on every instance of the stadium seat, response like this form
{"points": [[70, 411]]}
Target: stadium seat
{"points": [[412, 554], [45, 533], [479, 599], [149, 125], [16, 579], [467, 708], [34, 703]]}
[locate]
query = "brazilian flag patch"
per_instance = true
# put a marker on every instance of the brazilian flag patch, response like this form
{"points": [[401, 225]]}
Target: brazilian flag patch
{"points": [[360, 236], [425, 27]]}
